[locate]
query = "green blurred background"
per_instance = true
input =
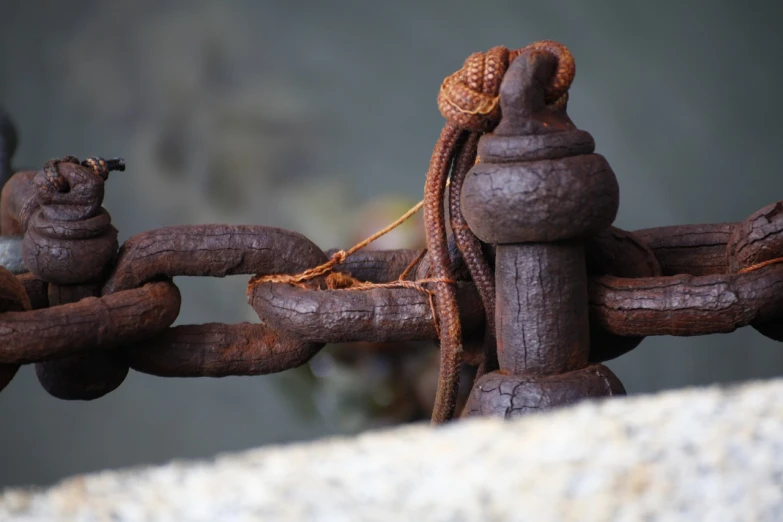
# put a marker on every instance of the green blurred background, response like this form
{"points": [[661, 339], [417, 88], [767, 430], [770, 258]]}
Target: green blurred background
{"points": [[305, 114]]}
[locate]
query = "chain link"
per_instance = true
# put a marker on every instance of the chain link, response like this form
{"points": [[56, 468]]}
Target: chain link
{"points": [[13, 297]]}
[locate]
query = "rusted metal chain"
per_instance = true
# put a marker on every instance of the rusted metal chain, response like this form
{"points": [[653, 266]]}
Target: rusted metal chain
{"points": [[613, 252], [689, 249], [374, 315], [342, 316], [617, 253], [567, 292], [17, 203], [215, 350], [37, 290], [89, 325], [685, 305], [211, 251], [747, 292], [12, 298], [220, 350]]}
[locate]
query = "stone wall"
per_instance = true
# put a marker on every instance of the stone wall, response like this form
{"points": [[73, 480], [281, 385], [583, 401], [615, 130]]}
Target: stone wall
{"points": [[712, 454]]}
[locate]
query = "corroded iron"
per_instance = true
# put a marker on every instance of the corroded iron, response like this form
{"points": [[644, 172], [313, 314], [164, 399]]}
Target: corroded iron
{"points": [[537, 193], [13, 297], [535, 287]]}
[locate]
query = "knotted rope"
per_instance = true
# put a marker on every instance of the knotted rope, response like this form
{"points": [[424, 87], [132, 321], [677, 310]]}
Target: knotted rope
{"points": [[469, 99], [99, 166]]}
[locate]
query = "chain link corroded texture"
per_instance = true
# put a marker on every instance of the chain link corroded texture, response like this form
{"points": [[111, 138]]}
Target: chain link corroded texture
{"points": [[686, 280]]}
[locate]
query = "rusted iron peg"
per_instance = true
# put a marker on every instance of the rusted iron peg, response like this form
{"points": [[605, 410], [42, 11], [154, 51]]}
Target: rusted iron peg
{"points": [[570, 290]]}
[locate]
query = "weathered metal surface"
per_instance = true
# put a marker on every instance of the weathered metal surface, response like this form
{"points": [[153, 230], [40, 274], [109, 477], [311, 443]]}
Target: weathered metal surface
{"points": [[89, 325], [534, 286], [12, 298]]}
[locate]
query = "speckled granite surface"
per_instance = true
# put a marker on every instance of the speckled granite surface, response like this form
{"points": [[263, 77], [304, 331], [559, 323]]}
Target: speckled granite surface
{"points": [[703, 454]]}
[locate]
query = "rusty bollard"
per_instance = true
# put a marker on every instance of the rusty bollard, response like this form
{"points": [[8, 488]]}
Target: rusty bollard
{"points": [[537, 193]]}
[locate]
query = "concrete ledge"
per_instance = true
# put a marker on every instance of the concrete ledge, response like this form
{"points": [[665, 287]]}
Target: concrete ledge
{"points": [[713, 454]]}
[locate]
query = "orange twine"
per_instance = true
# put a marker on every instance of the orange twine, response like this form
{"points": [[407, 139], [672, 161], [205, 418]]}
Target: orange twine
{"points": [[341, 255], [337, 258], [341, 281], [757, 266]]}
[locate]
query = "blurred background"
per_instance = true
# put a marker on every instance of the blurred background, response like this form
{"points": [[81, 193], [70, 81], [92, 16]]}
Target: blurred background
{"points": [[321, 117]]}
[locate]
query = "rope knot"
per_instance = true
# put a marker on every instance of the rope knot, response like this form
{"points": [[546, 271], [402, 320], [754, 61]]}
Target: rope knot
{"points": [[102, 167], [469, 98], [339, 256], [98, 166]]}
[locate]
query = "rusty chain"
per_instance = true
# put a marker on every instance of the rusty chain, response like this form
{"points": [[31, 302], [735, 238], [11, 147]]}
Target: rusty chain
{"points": [[702, 292], [88, 309]]}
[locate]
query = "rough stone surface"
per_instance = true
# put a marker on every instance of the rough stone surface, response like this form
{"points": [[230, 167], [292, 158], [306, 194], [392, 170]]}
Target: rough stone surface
{"points": [[704, 454]]}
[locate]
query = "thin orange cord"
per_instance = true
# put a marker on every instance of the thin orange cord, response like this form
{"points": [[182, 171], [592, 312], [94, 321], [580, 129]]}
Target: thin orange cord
{"points": [[337, 258], [412, 265], [340, 256], [757, 266]]}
